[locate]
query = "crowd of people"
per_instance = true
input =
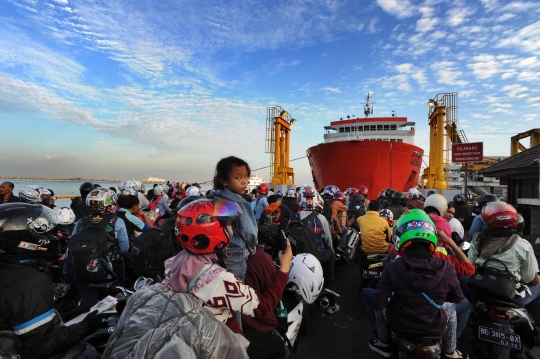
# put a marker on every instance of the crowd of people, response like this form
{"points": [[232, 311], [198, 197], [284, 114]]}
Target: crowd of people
{"points": [[226, 263]]}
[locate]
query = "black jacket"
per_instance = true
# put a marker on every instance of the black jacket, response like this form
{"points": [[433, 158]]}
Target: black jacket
{"points": [[80, 208], [292, 204], [11, 199], [27, 308]]}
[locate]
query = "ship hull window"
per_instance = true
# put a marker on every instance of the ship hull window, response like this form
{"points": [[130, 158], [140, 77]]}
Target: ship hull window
{"points": [[379, 127], [373, 128], [386, 127], [393, 127], [347, 129]]}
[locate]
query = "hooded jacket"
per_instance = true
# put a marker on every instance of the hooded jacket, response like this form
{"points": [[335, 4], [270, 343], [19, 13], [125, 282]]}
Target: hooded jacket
{"points": [[403, 281], [245, 231], [158, 323]]}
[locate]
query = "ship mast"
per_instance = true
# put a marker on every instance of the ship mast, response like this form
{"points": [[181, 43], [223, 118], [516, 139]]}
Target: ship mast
{"points": [[368, 110]]}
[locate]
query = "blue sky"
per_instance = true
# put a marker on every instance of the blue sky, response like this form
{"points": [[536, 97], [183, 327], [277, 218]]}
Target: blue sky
{"points": [[131, 89]]}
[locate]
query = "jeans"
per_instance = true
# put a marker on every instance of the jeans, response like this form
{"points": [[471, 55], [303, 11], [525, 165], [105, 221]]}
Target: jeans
{"points": [[530, 302], [236, 262], [449, 338], [462, 313], [343, 237], [366, 296]]}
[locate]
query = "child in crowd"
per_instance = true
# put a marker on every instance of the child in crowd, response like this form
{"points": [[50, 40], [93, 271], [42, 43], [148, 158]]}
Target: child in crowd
{"points": [[231, 181]]}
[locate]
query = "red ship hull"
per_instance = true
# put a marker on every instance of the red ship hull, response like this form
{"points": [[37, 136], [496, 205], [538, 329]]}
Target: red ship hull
{"points": [[375, 164]]}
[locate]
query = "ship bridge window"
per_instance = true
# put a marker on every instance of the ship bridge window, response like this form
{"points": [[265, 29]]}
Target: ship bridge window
{"points": [[393, 127], [400, 140], [373, 128], [341, 129], [360, 128], [386, 127], [379, 127], [347, 129]]}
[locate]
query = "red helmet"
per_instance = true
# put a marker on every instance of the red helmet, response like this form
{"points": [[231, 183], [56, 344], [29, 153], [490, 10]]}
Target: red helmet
{"points": [[498, 215], [204, 225], [263, 188], [341, 197], [363, 190], [353, 191]]}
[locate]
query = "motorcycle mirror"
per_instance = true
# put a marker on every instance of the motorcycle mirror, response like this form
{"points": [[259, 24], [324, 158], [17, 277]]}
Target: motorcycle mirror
{"points": [[465, 246], [96, 265]]}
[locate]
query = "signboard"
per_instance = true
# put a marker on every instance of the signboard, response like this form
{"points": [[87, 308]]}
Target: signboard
{"points": [[468, 152]]}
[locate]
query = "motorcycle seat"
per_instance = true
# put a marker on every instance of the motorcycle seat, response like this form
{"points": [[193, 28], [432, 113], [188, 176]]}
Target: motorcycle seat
{"points": [[503, 303]]}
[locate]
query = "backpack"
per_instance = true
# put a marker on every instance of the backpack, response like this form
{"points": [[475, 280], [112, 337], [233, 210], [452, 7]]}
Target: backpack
{"points": [[301, 235], [357, 207], [152, 248], [92, 241]]}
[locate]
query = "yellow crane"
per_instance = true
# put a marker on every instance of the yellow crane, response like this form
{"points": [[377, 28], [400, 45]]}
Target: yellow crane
{"points": [[443, 131], [278, 144]]}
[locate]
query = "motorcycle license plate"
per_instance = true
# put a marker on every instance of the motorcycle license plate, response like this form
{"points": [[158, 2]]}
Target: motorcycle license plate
{"points": [[505, 339], [367, 273]]}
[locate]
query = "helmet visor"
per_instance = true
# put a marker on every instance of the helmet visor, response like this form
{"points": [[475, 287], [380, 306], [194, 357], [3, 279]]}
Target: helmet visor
{"points": [[225, 212]]}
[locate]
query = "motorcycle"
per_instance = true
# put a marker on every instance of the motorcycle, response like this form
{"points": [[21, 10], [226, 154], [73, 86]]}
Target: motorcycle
{"points": [[372, 266], [407, 347], [502, 330]]}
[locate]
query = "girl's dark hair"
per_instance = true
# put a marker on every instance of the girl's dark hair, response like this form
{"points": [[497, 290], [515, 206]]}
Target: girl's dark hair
{"points": [[128, 202], [224, 168], [418, 250]]}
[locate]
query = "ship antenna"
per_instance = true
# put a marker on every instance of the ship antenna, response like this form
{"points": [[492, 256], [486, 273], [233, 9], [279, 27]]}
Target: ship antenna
{"points": [[368, 109]]}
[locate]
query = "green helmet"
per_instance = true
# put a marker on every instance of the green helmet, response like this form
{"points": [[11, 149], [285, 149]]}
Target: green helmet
{"points": [[412, 226]]}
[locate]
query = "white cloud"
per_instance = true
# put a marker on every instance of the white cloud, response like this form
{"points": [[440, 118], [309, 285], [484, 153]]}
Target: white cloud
{"points": [[61, 2], [399, 8], [527, 39], [458, 15], [447, 73], [331, 89]]}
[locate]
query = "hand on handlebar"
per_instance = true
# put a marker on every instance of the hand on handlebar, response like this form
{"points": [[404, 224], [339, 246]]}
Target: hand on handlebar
{"points": [[285, 258]]}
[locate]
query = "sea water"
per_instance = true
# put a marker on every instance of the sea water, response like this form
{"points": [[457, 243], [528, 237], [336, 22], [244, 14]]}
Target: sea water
{"points": [[70, 188]]}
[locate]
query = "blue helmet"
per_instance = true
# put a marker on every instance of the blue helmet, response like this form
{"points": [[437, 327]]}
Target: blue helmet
{"points": [[330, 191]]}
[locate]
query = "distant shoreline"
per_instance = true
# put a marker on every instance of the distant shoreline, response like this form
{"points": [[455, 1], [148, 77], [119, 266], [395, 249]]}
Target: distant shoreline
{"points": [[151, 179]]}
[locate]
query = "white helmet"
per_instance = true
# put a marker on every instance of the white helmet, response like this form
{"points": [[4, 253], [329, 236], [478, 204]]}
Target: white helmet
{"points": [[129, 192], [129, 184], [193, 191], [139, 186], [414, 193], [159, 190], [101, 200], [438, 202], [66, 214], [307, 276], [32, 194], [291, 193], [165, 188], [457, 227]]}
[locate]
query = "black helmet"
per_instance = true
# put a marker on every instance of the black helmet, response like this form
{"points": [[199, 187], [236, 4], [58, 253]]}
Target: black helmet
{"points": [[482, 200], [24, 231], [458, 199], [96, 185], [398, 197], [389, 192], [430, 193], [521, 224], [86, 188]]}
